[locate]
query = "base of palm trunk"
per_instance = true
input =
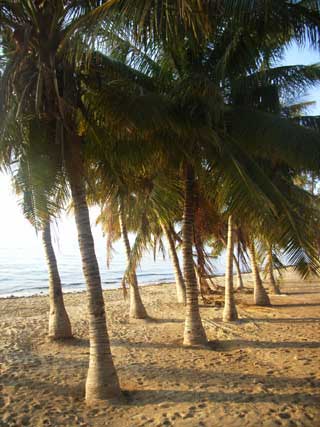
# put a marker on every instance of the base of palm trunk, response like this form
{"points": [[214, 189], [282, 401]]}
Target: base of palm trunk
{"points": [[59, 326], [138, 313], [137, 309], [230, 314], [275, 289], [99, 387], [261, 297], [194, 334]]}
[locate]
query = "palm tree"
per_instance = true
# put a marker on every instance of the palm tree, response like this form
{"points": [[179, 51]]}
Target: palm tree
{"points": [[194, 333], [180, 285], [137, 309], [102, 380], [40, 80], [59, 323], [274, 284], [239, 275], [260, 295], [230, 310], [39, 181]]}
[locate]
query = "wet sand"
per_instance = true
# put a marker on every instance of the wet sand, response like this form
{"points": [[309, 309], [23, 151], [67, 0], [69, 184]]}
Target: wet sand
{"points": [[263, 370]]}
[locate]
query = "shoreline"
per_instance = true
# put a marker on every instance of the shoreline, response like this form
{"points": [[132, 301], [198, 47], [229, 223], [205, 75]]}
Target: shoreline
{"points": [[66, 292], [219, 277]]}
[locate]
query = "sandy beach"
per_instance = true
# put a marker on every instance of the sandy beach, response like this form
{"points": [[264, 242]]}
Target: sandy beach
{"points": [[263, 370]]}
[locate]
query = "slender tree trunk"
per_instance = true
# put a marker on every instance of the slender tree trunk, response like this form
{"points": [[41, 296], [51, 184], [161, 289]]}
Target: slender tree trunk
{"points": [[203, 283], [260, 295], [230, 310], [273, 282], [239, 275], [59, 323], [137, 309], [180, 285], [194, 333], [102, 380]]}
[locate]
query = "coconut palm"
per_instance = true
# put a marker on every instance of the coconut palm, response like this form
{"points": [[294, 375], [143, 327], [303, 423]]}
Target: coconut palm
{"points": [[115, 216], [137, 309], [39, 79], [259, 293], [230, 311], [194, 333], [180, 285], [273, 282], [239, 275], [59, 323], [39, 180]]}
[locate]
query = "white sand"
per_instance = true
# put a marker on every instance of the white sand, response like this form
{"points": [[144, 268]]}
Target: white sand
{"points": [[263, 371]]}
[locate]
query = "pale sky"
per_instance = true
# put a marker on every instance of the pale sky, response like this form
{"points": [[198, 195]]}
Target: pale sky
{"points": [[15, 230]]}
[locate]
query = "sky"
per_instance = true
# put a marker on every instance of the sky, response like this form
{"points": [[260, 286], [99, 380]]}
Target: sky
{"points": [[15, 230]]}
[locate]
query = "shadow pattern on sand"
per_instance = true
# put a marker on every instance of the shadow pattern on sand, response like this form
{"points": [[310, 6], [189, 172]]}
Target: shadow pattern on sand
{"points": [[156, 396]]}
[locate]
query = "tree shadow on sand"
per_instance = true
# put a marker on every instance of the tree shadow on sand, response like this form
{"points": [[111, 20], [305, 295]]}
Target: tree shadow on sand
{"points": [[142, 397], [155, 396], [236, 344], [296, 305], [279, 320], [160, 320], [221, 345]]}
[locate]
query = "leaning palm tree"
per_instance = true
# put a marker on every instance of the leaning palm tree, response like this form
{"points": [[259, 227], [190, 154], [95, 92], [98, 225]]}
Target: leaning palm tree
{"points": [[239, 274], [260, 295], [59, 323], [180, 284], [41, 78], [230, 310], [273, 282], [113, 191], [137, 196], [39, 181], [137, 309]]}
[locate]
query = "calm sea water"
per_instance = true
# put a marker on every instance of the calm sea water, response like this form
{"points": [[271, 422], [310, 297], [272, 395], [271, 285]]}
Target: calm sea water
{"points": [[23, 271]]}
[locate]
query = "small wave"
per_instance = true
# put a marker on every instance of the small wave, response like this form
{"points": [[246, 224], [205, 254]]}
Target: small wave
{"points": [[69, 285]]}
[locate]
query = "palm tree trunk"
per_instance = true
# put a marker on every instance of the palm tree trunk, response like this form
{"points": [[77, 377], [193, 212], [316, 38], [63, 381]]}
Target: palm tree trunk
{"points": [[273, 282], [102, 380], [137, 309], [59, 323], [260, 295], [239, 275], [230, 310], [180, 285], [194, 333], [202, 280]]}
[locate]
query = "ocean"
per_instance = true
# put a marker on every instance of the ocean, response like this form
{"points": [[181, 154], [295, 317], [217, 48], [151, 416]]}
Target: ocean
{"points": [[23, 270]]}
